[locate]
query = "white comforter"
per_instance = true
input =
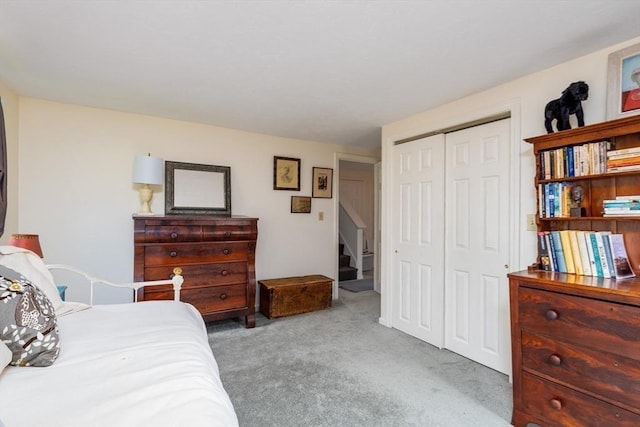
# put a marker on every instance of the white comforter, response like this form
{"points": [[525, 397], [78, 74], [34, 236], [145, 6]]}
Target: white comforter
{"points": [[142, 364]]}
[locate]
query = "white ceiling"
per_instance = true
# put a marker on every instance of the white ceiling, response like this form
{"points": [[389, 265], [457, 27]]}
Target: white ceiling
{"points": [[329, 71]]}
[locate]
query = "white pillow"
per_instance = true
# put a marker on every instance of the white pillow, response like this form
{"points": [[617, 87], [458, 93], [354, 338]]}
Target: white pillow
{"points": [[5, 356], [31, 267]]}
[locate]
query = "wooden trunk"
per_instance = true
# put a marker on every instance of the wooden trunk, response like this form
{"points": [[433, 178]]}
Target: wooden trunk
{"points": [[294, 295]]}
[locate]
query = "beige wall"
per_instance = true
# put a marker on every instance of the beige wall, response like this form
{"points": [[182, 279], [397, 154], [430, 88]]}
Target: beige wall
{"points": [[10, 101], [76, 189], [525, 98]]}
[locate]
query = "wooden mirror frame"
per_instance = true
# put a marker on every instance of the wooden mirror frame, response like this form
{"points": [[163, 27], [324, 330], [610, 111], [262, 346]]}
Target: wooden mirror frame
{"points": [[184, 191]]}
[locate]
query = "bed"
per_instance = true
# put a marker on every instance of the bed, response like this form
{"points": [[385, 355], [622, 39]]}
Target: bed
{"points": [[137, 364]]}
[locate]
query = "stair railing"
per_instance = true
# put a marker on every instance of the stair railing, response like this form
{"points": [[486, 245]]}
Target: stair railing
{"points": [[350, 229]]}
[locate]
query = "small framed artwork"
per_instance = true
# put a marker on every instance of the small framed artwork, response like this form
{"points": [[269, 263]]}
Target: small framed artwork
{"points": [[286, 173], [322, 183], [300, 204], [623, 83]]}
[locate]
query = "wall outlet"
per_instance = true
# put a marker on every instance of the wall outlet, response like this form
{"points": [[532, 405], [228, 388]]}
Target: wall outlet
{"points": [[320, 216], [531, 222]]}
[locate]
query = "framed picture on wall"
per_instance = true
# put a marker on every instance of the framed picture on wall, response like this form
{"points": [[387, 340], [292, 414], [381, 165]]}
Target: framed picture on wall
{"points": [[286, 173], [300, 204], [623, 83], [322, 186]]}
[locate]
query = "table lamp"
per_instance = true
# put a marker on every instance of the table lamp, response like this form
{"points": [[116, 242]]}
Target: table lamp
{"points": [[147, 170], [27, 241]]}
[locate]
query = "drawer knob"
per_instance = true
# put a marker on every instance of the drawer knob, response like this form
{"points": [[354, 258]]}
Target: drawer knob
{"points": [[173, 254], [556, 403], [223, 296], [174, 235], [551, 315], [227, 234], [226, 251], [224, 272], [555, 360]]}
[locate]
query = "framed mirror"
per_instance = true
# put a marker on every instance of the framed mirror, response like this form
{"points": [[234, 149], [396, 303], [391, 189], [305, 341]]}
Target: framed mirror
{"points": [[195, 189]]}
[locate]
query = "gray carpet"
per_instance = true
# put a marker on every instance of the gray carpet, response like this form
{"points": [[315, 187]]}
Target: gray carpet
{"points": [[339, 367], [365, 284]]}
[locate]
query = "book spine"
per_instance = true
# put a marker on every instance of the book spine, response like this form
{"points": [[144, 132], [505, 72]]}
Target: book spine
{"points": [[557, 244], [552, 251], [607, 252], [568, 253], [584, 253], [624, 151], [592, 260], [596, 254], [606, 273], [575, 251], [570, 164]]}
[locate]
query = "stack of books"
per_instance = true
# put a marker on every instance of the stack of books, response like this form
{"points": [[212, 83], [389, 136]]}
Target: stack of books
{"points": [[623, 160], [588, 253], [622, 206]]}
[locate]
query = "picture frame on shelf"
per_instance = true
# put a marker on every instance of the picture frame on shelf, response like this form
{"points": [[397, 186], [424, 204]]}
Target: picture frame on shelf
{"points": [[623, 83], [286, 173], [322, 183], [300, 204]]}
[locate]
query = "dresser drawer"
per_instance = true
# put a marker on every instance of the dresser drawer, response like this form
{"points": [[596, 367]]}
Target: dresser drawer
{"points": [[229, 232], [567, 407], [172, 233], [197, 275], [207, 299], [611, 376], [583, 321], [195, 253]]}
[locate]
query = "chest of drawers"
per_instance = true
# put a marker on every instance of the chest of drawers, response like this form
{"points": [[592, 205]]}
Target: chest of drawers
{"points": [[217, 257], [576, 350]]}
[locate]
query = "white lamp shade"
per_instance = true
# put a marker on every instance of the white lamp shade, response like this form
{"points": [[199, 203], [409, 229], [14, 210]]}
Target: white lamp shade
{"points": [[147, 170]]}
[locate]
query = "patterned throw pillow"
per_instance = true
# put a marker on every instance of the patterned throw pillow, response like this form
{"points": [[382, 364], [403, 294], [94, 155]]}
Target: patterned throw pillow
{"points": [[27, 321]]}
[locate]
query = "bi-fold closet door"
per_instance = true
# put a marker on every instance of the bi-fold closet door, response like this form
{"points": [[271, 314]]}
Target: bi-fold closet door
{"points": [[450, 226]]}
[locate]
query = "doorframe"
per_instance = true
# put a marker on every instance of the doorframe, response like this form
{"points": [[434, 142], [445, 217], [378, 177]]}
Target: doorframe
{"points": [[512, 108], [336, 210]]}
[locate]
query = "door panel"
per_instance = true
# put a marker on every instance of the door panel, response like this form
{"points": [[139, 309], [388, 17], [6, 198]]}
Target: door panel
{"points": [[477, 244], [418, 216]]}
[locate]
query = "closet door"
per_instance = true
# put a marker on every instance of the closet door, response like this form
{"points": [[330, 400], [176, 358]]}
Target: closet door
{"points": [[477, 244], [418, 239]]}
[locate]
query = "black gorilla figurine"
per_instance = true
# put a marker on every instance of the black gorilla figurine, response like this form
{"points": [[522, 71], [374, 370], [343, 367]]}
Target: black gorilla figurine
{"points": [[569, 103]]}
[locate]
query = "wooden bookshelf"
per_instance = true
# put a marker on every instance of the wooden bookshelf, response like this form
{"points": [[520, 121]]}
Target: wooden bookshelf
{"points": [[622, 133]]}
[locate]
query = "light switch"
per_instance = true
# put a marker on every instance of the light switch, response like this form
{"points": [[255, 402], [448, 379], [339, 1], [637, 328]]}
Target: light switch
{"points": [[531, 222], [320, 216]]}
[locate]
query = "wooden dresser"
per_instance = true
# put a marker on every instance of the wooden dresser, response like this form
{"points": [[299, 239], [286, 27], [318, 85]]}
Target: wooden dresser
{"points": [[217, 257], [576, 350]]}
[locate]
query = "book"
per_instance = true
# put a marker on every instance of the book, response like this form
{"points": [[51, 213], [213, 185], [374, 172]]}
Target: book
{"points": [[592, 260], [575, 251], [620, 259], [552, 251], [596, 254], [606, 272], [557, 247], [568, 253], [543, 252], [584, 253], [607, 252], [629, 150]]}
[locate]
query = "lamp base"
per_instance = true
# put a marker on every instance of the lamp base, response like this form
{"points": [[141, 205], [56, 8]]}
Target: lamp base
{"points": [[146, 194]]}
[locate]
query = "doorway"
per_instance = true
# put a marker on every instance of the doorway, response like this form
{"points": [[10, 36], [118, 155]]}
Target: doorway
{"points": [[358, 197]]}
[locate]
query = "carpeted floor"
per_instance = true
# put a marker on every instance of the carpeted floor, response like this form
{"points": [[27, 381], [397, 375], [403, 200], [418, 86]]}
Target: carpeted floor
{"points": [[340, 367], [365, 284]]}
